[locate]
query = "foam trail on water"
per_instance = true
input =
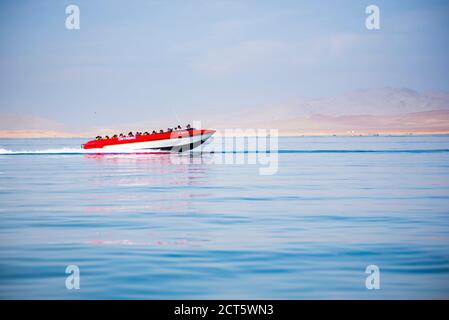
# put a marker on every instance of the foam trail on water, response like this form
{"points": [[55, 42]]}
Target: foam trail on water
{"points": [[75, 151], [45, 151], [59, 151]]}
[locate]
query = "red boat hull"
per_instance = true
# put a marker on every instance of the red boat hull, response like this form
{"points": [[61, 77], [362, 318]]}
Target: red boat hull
{"points": [[168, 141]]}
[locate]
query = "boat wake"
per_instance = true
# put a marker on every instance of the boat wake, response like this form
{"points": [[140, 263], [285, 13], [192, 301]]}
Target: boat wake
{"points": [[67, 151], [45, 151]]}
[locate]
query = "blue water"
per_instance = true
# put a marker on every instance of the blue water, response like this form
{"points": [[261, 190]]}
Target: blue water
{"points": [[140, 226]]}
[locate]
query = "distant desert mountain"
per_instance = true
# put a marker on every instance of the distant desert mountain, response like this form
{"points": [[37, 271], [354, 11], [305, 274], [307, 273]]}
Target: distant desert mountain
{"points": [[384, 110], [364, 111], [13, 121], [382, 101]]}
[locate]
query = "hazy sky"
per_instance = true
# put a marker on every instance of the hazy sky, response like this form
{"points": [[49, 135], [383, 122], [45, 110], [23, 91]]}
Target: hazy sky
{"points": [[134, 60]]}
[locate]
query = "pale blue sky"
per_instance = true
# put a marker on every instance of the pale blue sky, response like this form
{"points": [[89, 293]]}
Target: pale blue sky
{"points": [[134, 60]]}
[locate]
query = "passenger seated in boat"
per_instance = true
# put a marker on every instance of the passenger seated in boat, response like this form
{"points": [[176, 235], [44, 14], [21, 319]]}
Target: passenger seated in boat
{"points": [[169, 129], [130, 134], [178, 127], [146, 133], [106, 137], [154, 131], [188, 127], [161, 131], [138, 134], [114, 136], [98, 138], [121, 135]]}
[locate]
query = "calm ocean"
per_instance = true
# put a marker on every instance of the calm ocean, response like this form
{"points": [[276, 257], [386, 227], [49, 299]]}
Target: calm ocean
{"points": [[140, 226]]}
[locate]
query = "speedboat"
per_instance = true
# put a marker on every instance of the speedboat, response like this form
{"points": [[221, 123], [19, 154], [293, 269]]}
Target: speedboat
{"points": [[174, 141]]}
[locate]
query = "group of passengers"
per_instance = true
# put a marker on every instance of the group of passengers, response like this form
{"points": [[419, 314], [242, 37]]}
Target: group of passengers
{"points": [[146, 133]]}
